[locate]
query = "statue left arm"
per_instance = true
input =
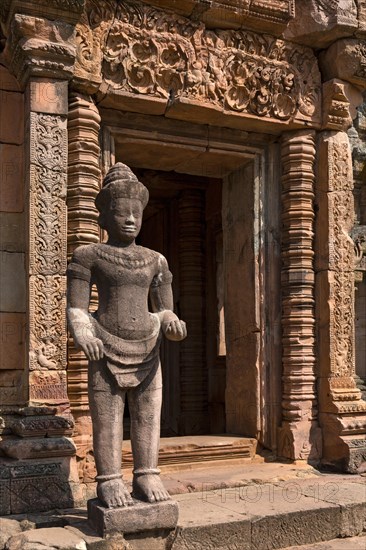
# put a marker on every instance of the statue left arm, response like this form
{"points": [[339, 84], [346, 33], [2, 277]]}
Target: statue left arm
{"points": [[161, 296]]}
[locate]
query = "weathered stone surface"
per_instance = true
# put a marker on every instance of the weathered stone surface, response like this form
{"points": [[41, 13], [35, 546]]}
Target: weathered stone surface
{"points": [[39, 485], [8, 529], [46, 426], [271, 16], [48, 387], [47, 96], [345, 59], [12, 289], [340, 102], [38, 447], [351, 497], [264, 516], [318, 23], [54, 538], [215, 537], [40, 47], [7, 81], [12, 378], [12, 117], [12, 232], [361, 13], [354, 543], [12, 339], [11, 180], [141, 516], [5, 507]]}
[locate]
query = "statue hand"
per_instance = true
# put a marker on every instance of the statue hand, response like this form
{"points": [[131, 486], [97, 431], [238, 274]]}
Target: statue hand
{"points": [[92, 347], [175, 330]]}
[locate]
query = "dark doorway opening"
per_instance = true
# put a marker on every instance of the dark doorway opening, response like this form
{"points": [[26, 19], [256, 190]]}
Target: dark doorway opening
{"points": [[183, 222]]}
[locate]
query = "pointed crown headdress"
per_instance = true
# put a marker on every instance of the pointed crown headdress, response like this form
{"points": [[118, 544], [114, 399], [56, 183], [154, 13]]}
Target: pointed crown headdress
{"points": [[120, 183]]}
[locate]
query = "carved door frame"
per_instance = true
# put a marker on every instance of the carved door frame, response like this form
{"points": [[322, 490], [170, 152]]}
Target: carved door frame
{"points": [[128, 133]]}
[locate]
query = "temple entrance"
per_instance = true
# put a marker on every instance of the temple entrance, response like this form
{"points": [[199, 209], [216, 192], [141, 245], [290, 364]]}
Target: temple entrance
{"points": [[207, 211]]}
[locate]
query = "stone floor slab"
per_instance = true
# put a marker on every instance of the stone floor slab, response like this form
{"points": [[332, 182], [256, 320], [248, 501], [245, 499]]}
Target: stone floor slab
{"points": [[44, 539], [353, 543]]}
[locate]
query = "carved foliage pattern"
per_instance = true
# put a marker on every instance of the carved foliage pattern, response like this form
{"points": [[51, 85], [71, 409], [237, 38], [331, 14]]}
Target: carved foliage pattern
{"points": [[341, 257], [47, 322], [150, 52], [47, 241]]}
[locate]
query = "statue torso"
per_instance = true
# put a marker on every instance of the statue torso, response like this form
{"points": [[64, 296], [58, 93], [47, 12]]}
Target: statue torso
{"points": [[123, 277]]}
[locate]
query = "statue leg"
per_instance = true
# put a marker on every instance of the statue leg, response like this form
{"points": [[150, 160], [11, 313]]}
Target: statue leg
{"points": [[145, 406], [107, 403]]}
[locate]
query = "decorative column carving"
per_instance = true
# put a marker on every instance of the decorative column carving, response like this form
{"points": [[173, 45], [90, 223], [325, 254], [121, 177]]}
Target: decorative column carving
{"points": [[84, 178], [40, 50], [193, 370], [299, 435], [47, 257], [342, 410]]}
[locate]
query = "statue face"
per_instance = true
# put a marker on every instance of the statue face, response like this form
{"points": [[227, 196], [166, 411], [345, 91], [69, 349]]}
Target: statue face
{"points": [[123, 222]]}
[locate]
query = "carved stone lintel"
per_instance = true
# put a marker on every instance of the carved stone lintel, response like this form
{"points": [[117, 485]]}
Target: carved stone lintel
{"points": [[225, 71], [343, 412], [299, 436]]}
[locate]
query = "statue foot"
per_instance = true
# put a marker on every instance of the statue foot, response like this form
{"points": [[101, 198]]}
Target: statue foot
{"points": [[113, 493], [148, 487]]}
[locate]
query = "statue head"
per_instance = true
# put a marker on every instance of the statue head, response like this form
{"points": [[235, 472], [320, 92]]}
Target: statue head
{"points": [[121, 202]]}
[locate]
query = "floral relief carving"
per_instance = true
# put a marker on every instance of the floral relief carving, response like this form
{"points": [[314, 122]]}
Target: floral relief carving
{"points": [[342, 332], [147, 51], [48, 159], [341, 260], [48, 194], [47, 322]]}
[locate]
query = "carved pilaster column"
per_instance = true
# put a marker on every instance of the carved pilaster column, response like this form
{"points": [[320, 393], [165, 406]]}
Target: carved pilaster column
{"points": [[84, 176], [342, 411], [193, 370], [41, 51], [47, 176], [299, 435]]}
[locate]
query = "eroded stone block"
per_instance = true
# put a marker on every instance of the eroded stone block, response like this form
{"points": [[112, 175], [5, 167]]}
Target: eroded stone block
{"points": [[12, 340], [11, 177], [12, 117], [12, 282], [45, 96], [318, 23], [12, 232], [140, 517], [38, 447]]}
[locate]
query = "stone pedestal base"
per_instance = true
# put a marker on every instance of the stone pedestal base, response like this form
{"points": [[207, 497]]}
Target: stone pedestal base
{"points": [[139, 518]]}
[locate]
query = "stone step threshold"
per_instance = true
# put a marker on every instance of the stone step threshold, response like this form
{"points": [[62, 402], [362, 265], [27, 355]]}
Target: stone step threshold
{"points": [[308, 514], [198, 448]]}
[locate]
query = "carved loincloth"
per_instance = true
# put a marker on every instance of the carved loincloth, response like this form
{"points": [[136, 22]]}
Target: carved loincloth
{"points": [[130, 360]]}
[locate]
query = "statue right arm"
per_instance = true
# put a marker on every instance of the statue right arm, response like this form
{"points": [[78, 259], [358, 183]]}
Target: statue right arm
{"points": [[78, 297]]}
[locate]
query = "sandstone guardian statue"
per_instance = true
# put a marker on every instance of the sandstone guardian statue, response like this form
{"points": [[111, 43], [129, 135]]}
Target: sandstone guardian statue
{"points": [[122, 339]]}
